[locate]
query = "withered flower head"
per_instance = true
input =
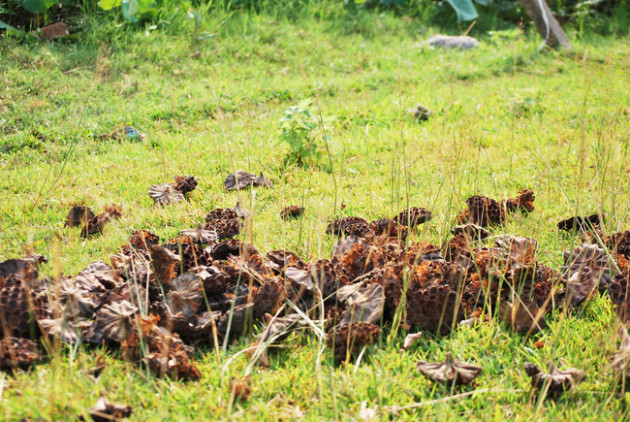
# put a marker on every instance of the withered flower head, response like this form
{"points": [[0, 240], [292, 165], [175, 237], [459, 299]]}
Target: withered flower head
{"points": [[63, 328], [18, 353], [185, 184], [224, 228], [348, 338], [143, 239], [23, 269], [450, 371], [79, 216], [471, 231], [339, 226], [117, 320], [420, 112], [590, 222], [483, 211], [165, 263], [363, 303], [522, 316], [104, 411], [240, 389], [558, 382], [241, 179], [17, 309], [185, 296], [290, 212], [620, 360], [200, 235], [165, 194], [413, 216]]}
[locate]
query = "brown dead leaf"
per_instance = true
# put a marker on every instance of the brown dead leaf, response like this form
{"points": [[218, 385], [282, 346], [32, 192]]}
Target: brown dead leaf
{"points": [[410, 339]]}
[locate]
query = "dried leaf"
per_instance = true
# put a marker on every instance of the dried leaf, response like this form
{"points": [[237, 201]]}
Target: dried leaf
{"points": [[280, 328], [410, 339], [116, 321]]}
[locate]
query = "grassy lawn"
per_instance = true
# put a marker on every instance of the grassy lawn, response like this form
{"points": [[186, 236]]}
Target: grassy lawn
{"points": [[505, 118]]}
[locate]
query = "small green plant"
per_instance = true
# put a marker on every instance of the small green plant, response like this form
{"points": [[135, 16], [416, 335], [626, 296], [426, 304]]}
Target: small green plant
{"points": [[297, 126]]}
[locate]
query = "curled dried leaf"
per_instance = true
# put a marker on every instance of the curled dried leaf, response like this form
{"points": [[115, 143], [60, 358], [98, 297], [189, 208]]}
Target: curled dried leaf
{"points": [[410, 339]]}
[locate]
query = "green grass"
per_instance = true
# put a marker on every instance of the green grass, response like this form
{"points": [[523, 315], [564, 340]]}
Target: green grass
{"points": [[505, 118]]}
